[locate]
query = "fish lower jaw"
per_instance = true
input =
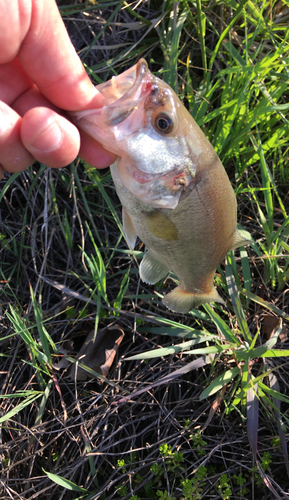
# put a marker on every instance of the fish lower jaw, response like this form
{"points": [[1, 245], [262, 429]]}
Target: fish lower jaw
{"points": [[176, 178], [159, 191], [153, 191]]}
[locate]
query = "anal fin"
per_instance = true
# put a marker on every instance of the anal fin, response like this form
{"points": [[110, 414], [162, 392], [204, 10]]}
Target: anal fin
{"points": [[128, 229], [151, 269], [179, 300]]}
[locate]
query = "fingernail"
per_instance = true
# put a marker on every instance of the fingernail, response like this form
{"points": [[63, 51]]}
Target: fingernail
{"points": [[49, 138], [3, 123], [98, 99]]}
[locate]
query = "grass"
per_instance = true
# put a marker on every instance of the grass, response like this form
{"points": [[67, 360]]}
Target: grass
{"points": [[202, 395]]}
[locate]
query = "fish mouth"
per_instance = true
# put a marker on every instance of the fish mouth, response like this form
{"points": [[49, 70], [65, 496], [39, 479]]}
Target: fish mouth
{"points": [[122, 93], [131, 88], [125, 85]]}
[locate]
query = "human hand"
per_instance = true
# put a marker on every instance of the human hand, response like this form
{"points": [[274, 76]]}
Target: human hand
{"points": [[40, 75]]}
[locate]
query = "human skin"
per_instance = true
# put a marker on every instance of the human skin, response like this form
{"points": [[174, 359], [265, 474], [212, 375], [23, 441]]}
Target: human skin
{"points": [[40, 76]]}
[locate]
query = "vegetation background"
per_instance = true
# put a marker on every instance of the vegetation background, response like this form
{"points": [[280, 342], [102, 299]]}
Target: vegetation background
{"points": [[209, 414]]}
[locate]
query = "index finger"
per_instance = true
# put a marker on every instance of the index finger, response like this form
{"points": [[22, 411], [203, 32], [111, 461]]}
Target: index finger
{"points": [[47, 54]]}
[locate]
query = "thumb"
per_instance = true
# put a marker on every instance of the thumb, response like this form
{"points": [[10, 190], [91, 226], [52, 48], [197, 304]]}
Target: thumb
{"points": [[49, 137]]}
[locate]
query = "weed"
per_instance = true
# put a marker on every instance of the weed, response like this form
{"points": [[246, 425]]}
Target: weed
{"points": [[266, 460], [193, 488], [173, 459], [224, 488], [198, 442], [240, 481]]}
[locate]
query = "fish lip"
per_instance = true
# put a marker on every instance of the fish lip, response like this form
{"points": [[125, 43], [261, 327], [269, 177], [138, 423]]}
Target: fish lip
{"points": [[141, 88], [141, 71]]}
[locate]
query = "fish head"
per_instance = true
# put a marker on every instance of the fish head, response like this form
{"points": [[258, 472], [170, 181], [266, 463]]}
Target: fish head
{"points": [[155, 137]]}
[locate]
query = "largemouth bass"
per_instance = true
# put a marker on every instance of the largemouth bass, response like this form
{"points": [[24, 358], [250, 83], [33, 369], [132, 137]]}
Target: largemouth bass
{"points": [[174, 190]]}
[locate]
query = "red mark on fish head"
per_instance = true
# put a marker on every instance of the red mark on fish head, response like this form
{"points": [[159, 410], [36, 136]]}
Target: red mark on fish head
{"points": [[146, 88], [180, 181]]}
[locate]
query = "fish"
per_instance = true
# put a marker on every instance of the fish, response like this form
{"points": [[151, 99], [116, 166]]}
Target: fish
{"points": [[175, 193]]}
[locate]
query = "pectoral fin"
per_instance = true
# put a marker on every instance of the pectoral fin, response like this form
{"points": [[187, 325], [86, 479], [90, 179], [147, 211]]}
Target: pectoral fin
{"points": [[160, 225], [243, 238], [180, 301], [151, 269], [128, 228]]}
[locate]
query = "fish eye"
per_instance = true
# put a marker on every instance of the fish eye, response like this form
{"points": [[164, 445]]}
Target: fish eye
{"points": [[164, 123]]}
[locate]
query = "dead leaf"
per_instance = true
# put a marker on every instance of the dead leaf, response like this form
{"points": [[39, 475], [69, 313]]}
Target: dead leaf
{"points": [[66, 349], [270, 325], [97, 355]]}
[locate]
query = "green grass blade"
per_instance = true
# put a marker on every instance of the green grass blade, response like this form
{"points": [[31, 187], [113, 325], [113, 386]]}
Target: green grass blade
{"points": [[202, 34], [175, 331], [220, 382], [226, 31], [39, 324], [211, 349], [266, 184], [270, 353], [165, 351], [65, 483], [174, 48], [43, 402], [8, 183], [264, 303], [244, 382], [246, 271], [221, 325], [122, 290], [95, 177], [273, 393], [87, 207], [233, 291], [28, 401], [253, 418]]}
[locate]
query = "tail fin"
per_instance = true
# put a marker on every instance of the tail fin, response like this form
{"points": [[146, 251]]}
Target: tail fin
{"points": [[181, 301]]}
